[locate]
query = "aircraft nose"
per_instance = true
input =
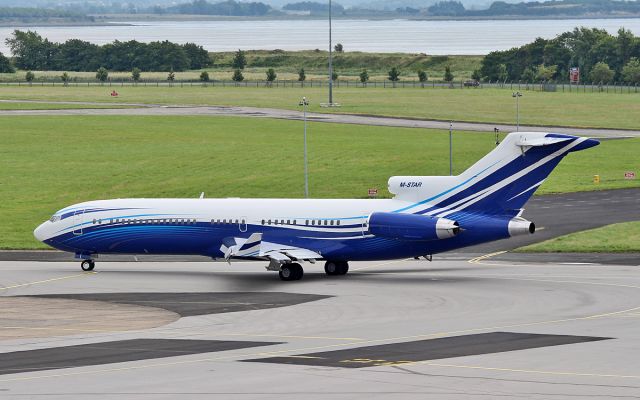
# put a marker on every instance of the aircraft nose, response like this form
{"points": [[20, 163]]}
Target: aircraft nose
{"points": [[40, 232]]}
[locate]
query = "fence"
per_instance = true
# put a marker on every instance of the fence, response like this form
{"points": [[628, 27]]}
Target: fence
{"points": [[539, 87]]}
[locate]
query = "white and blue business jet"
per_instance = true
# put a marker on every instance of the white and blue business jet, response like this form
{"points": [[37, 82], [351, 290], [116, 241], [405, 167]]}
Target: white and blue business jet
{"points": [[427, 215]]}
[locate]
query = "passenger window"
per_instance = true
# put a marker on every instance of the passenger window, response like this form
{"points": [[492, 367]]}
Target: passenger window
{"points": [[288, 222], [338, 222], [331, 222], [306, 222]]}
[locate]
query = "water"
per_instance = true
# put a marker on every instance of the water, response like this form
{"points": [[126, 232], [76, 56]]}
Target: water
{"points": [[431, 37]]}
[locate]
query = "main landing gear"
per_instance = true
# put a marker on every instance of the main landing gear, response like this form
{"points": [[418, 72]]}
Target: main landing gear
{"points": [[88, 265], [333, 268], [291, 272], [294, 271]]}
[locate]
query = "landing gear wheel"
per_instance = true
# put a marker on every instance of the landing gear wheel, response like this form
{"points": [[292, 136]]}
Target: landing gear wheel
{"points": [[291, 272], [333, 268], [88, 265]]}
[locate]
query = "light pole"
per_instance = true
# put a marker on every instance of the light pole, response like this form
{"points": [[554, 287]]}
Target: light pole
{"points": [[330, 61], [304, 103], [517, 95], [450, 148]]}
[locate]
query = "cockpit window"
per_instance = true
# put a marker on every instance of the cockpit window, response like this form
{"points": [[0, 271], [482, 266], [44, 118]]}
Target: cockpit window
{"points": [[55, 218]]}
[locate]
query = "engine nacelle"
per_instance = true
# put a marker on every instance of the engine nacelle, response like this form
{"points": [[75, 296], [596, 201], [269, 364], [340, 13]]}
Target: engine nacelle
{"points": [[411, 226], [520, 226]]}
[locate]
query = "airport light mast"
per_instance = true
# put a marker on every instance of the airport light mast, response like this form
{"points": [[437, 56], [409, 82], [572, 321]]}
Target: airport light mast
{"points": [[304, 103], [330, 61], [517, 96]]}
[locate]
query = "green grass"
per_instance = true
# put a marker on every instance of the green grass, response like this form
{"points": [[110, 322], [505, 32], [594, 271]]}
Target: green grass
{"points": [[287, 64], [47, 163], [616, 238], [53, 106], [604, 110]]}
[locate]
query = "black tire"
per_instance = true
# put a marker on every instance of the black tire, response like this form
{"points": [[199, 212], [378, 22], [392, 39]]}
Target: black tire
{"points": [[88, 265], [291, 272], [343, 268], [331, 268]]}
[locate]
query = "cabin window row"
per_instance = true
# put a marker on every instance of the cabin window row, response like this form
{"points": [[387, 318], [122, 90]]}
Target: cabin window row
{"points": [[227, 221], [312, 222], [154, 221]]}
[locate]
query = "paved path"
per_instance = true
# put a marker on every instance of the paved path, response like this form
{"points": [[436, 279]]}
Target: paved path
{"points": [[156, 109]]}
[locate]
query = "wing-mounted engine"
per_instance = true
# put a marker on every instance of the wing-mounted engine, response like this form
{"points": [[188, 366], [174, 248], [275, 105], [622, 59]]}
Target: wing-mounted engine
{"points": [[411, 226]]}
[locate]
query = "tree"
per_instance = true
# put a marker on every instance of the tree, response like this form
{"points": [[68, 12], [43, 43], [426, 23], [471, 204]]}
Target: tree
{"points": [[334, 76], [631, 71], [198, 56], [338, 47], [529, 75], [204, 76], [237, 75], [171, 76], [29, 76], [601, 73], [271, 76], [239, 60], [31, 51], [301, 75], [135, 74], [422, 77], [5, 65], [394, 75], [364, 76], [102, 74], [65, 78], [503, 74], [476, 75], [448, 76], [545, 73]]}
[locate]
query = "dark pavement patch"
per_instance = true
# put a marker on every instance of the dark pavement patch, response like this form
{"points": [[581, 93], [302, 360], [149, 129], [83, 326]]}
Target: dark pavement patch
{"points": [[197, 303], [430, 349], [112, 352]]}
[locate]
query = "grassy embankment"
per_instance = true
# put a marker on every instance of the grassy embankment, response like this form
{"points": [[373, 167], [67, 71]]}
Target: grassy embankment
{"points": [[347, 65], [50, 162], [616, 238], [53, 106], [603, 110]]}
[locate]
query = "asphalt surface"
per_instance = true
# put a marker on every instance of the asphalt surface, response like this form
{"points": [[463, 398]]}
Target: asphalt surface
{"points": [[449, 329], [161, 110]]}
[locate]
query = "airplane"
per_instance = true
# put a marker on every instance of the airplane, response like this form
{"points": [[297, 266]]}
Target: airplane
{"points": [[427, 215]]}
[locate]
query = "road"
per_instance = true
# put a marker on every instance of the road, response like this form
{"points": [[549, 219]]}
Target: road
{"points": [[160, 110]]}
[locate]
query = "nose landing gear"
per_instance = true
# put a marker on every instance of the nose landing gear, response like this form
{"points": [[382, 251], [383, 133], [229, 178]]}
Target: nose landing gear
{"points": [[88, 265]]}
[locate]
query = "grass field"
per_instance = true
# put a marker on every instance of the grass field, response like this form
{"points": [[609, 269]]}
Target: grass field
{"points": [[604, 110], [287, 64], [47, 163], [51, 106], [616, 238]]}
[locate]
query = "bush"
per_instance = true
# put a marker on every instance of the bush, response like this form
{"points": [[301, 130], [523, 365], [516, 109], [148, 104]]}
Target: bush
{"points": [[338, 47], [364, 76], [271, 75], [394, 75], [102, 74], [5, 65], [448, 76], [237, 75], [301, 75], [204, 76], [422, 76], [601, 73], [239, 60], [29, 76], [135, 74]]}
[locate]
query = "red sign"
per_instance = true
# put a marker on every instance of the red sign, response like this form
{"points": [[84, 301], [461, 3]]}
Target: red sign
{"points": [[373, 192], [574, 75], [629, 175]]}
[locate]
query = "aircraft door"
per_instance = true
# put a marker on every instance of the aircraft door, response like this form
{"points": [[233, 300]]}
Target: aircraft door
{"points": [[77, 221], [242, 224]]}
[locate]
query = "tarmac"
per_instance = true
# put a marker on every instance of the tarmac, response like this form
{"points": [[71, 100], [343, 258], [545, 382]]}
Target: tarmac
{"points": [[255, 112], [406, 329]]}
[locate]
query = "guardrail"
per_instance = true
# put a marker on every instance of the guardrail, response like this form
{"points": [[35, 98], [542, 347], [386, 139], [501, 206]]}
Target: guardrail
{"points": [[538, 87]]}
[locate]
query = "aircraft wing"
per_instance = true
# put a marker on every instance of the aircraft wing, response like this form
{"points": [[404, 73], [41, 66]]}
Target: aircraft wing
{"points": [[254, 246]]}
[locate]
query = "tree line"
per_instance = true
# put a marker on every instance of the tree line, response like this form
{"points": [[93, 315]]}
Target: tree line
{"points": [[601, 58], [454, 8], [33, 52]]}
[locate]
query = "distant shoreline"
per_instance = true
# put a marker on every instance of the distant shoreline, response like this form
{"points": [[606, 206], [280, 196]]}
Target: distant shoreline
{"points": [[131, 19]]}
